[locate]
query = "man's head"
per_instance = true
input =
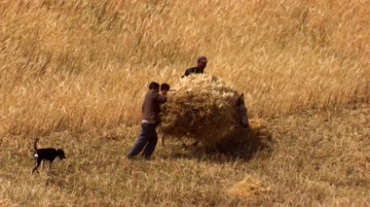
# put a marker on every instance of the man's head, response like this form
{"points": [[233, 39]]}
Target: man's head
{"points": [[154, 86], [165, 87], [202, 62]]}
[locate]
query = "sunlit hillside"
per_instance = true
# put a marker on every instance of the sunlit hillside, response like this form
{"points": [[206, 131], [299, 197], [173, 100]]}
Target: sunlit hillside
{"points": [[83, 65], [74, 74]]}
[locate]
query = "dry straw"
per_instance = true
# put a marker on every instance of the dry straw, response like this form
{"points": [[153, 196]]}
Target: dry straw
{"points": [[202, 107], [249, 189]]}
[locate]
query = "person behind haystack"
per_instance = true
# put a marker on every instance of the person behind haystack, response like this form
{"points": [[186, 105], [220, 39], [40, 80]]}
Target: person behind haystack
{"points": [[148, 138], [202, 64], [242, 111]]}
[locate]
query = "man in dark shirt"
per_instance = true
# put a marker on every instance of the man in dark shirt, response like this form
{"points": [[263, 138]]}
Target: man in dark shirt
{"points": [[202, 63], [150, 119]]}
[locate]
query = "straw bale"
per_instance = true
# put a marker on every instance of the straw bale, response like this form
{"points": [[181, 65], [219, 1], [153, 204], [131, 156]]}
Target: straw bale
{"points": [[202, 107], [248, 189]]}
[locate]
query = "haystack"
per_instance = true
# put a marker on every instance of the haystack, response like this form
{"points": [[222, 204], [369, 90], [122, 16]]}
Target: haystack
{"points": [[202, 107]]}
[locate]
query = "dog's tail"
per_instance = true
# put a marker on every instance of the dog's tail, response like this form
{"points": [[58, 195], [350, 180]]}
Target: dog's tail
{"points": [[35, 144]]}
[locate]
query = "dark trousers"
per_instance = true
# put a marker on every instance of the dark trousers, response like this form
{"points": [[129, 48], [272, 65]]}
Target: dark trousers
{"points": [[147, 141]]}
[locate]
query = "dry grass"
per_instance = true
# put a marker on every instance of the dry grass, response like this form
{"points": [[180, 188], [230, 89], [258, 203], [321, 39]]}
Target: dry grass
{"points": [[308, 159], [74, 73]]}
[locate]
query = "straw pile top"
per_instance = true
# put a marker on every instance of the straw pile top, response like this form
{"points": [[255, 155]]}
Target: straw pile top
{"points": [[202, 107]]}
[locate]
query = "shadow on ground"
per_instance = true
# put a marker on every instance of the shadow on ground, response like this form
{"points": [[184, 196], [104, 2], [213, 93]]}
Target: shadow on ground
{"points": [[239, 144]]}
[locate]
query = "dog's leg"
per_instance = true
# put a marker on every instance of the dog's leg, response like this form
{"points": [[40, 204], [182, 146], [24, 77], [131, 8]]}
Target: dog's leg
{"points": [[38, 162]]}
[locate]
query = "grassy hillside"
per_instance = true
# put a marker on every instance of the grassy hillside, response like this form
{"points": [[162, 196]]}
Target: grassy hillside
{"points": [[84, 65], [74, 73]]}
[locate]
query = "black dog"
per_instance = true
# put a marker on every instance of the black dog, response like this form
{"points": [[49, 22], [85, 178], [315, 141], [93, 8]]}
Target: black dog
{"points": [[46, 154]]}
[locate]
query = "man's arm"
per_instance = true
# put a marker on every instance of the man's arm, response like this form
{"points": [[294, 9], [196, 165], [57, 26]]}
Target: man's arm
{"points": [[160, 98], [188, 72]]}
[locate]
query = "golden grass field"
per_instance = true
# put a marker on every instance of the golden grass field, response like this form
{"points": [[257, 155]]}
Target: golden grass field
{"points": [[74, 72]]}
